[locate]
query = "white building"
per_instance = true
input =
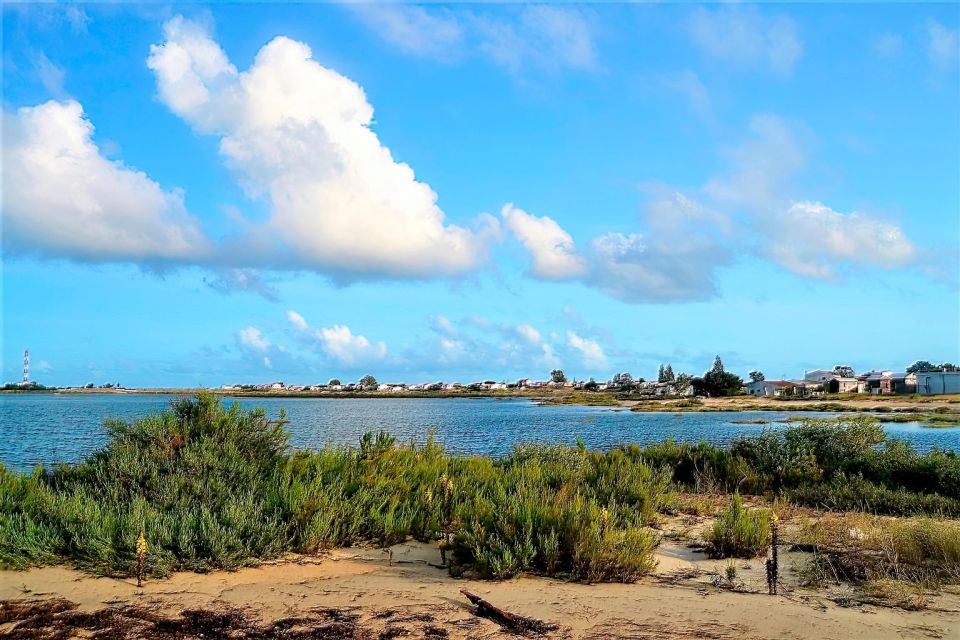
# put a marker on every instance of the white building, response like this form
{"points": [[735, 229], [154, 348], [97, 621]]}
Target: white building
{"points": [[767, 388], [931, 383]]}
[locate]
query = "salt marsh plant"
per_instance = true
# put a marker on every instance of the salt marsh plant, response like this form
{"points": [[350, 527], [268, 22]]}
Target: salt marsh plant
{"points": [[739, 532], [219, 488]]}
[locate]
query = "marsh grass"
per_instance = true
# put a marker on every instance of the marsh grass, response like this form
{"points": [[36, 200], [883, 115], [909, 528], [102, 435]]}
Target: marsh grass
{"points": [[739, 532], [211, 487], [893, 562], [214, 487]]}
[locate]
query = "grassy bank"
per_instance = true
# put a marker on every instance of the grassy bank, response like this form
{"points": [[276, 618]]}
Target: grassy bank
{"points": [[213, 487]]}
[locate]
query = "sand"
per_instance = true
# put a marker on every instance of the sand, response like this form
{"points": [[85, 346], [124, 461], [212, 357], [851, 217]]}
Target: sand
{"points": [[414, 597]]}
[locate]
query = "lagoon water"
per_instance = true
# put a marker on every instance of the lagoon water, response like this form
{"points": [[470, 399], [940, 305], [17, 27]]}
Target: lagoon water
{"points": [[46, 429]]}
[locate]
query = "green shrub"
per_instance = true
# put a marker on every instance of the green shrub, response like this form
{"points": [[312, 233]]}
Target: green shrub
{"points": [[739, 532]]}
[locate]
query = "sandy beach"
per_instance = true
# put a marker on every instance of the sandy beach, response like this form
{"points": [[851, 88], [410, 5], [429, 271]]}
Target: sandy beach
{"points": [[359, 592]]}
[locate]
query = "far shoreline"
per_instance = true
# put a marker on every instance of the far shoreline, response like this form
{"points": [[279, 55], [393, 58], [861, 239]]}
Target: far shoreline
{"points": [[834, 403]]}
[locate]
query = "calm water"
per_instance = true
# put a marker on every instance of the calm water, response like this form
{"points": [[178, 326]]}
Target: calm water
{"points": [[62, 428]]}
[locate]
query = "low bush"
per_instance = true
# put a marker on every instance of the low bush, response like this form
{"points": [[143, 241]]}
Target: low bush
{"points": [[218, 488], [739, 532]]}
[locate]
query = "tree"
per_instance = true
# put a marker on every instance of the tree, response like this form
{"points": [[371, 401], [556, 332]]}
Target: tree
{"points": [[368, 382], [843, 371], [717, 366], [622, 379], [661, 373], [591, 385], [668, 374], [334, 382], [923, 365], [717, 382], [757, 376], [557, 375]]}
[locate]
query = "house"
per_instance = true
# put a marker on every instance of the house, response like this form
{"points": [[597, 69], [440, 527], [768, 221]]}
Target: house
{"points": [[869, 382], [841, 384], [928, 383], [767, 388], [897, 383]]}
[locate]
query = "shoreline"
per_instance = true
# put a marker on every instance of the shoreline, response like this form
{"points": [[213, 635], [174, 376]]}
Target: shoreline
{"points": [[852, 403], [402, 591]]}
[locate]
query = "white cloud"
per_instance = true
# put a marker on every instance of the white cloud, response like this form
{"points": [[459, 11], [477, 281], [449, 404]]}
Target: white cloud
{"points": [[267, 363], [942, 46], [535, 36], [550, 247], [675, 261], [743, 35], [51, 76], [528, 333], [888, 44], [688, 84], [590, 350], [811, 238], [805, 237], [543, 36], [252, 338], [413, 29], [299, 134], [751, 209], [348, 349], [297, 320], [63, 198], [43, 367], [549, 359], [442, 325]]}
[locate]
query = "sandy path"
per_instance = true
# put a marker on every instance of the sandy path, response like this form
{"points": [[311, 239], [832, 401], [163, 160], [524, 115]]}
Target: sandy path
{"points": [[660, 606]]}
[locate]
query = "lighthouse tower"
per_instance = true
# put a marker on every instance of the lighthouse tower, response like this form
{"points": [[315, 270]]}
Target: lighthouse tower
{"points": [[26, 367]]}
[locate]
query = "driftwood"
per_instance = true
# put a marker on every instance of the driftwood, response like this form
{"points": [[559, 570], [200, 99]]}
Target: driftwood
{"points": [[510, 621]]}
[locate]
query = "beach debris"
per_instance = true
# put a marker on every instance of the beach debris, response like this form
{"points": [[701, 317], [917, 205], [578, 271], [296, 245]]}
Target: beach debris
{"points": [[510, 621]]}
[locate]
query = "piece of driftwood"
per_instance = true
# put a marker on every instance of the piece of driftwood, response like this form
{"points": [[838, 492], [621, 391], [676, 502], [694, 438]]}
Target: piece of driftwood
{"points": [[510, 621]]}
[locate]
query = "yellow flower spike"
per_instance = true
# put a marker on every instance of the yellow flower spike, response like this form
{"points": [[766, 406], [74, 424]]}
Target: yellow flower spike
{"points": [[141, 545]]}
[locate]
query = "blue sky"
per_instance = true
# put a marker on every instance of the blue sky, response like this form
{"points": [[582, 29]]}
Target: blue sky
{"points": [[238, 193]]}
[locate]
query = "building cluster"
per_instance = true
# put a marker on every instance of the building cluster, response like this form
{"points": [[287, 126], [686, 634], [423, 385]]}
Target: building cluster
{"points": [[618, 384], [843, 380]]}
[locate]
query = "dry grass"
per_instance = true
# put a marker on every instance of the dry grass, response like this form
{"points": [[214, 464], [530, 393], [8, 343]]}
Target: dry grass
{"points": [[893, 561]]}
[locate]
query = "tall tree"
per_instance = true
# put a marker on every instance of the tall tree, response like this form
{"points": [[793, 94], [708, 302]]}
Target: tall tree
{"points": [[757, 376], [368, 381], [660, 374], [717, 366], [668, 374], [557, 375]]}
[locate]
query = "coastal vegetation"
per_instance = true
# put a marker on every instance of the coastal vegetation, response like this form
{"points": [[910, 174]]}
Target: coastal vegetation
{"points": [[204, 486]]}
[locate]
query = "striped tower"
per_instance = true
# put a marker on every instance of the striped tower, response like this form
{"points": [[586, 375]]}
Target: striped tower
{"points": [[26, 367]]}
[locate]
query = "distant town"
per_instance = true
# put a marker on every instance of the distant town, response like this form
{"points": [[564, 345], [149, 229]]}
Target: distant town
{"points": [[921, 378]]}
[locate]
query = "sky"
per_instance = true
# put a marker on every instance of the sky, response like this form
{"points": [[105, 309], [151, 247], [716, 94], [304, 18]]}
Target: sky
{"points": [[241, 193]]}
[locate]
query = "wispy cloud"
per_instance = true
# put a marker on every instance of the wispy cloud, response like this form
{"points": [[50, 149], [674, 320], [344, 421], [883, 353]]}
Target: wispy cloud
{"points": [[748, 37]]}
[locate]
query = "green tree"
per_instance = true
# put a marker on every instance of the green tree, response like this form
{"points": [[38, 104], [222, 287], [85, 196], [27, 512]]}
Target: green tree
{"points": [[757, 376], [668, 374], [334, 382], [717, 366], [368, 382], [922, 365], [717, 382], [557, 375], [661, 372]]}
